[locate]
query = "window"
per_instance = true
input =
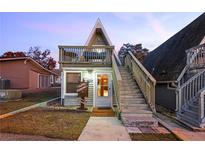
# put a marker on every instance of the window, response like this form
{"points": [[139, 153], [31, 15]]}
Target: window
{"points": [[44, 81], [102, 85], [72, 81]]}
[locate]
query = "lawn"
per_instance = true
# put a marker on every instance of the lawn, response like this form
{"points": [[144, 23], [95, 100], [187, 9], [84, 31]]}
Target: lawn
{"points": [[153, 137], [28, 99], [53, 123]]}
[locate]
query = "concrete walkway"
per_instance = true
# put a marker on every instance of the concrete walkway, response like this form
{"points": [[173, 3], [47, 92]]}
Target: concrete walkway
{"points": [[104, 129], [27, 108], [180, 131]]}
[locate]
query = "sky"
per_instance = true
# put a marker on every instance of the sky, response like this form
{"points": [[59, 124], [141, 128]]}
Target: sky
{"points": [[19, 31]]}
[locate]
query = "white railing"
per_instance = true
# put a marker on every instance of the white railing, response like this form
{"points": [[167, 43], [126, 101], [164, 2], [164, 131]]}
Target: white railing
{"points": [[86, 54], [188, 92], [117, 80], [196, 56], [143, 78], [201, 105]]}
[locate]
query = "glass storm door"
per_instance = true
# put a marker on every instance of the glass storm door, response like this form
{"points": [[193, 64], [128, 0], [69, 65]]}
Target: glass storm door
{"points": [[103, 93]]}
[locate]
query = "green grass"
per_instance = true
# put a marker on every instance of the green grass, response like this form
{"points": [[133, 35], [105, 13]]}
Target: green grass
{"points": [[53, 123], [153, 137], [27, 100]]}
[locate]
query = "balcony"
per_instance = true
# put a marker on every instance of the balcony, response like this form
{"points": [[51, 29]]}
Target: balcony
{"points": [[85, 55]]}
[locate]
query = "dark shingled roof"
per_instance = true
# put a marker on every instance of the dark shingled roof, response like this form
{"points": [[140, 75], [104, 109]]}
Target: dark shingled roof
{"points": [[167, 61]]}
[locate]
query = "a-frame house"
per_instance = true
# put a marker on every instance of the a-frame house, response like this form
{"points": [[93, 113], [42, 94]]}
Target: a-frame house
{"points": [[91, 62], [110, 84]]}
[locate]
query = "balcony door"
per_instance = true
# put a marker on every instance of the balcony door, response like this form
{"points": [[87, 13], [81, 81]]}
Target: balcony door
{"points": [[103, 94]]}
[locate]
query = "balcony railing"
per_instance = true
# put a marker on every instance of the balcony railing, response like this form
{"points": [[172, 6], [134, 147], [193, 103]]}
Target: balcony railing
{"points": [[86, 54], [196, 56]]}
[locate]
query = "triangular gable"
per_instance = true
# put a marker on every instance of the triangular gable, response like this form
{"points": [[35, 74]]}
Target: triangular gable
{"points": [[98, 35]]}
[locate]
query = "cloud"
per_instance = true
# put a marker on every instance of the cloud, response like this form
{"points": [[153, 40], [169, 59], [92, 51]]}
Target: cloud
{"points": [[156, 25], [58, 28], [128, 16]]}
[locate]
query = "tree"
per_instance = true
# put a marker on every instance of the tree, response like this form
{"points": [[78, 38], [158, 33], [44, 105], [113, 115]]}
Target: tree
{"points": [[11, 54], [42, 57], [139, 52]]}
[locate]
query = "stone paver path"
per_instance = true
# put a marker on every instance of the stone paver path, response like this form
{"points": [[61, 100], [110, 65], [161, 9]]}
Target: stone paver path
{"points": [[104, 129]]}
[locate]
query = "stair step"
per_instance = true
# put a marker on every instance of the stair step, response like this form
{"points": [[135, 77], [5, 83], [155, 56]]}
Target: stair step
{"points": [[188, 119], [132, 99], [190, 113], [127, 77], [128, 90], [140, 122], [137, 95], [194, 107], [139, 112], [134, 105], [129, 107]]}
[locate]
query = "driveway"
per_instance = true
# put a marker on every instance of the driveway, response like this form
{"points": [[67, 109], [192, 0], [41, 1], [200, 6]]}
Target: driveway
{"points": [[104, 129]]}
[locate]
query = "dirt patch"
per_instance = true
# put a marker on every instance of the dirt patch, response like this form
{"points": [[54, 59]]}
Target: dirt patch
{"points": [[153, 137], [52, 123], [18, 137]]}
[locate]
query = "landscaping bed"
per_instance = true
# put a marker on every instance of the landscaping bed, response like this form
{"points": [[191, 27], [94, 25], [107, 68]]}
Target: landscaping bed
{"points": [[153, 137], [53, 123], [29, 99], [159, 133]]}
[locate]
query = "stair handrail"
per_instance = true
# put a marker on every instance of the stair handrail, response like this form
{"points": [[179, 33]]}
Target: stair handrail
{"points": [[201, 104], [117, 80], [144, 79], [180, 80], [187, 92]]}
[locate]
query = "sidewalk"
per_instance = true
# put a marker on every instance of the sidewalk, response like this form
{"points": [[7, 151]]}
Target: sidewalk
{"points": [[26, 108], [180, 131], [104, 129]]}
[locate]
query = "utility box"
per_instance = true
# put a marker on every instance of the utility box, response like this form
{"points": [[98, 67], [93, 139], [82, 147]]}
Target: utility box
{"points": [[10, 94], [4, 84]]}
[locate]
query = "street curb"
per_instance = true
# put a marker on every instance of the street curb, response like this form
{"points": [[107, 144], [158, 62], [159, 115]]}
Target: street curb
{"points": [[42, 104]]}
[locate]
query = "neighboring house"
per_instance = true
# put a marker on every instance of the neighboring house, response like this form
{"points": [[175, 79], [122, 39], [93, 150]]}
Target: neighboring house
{"points": [[178, 65], [25, 73], [109, 83], [56, 78]]}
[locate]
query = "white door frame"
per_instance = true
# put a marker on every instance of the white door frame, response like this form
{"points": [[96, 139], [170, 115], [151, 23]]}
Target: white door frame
{"points": [[95, 87]]}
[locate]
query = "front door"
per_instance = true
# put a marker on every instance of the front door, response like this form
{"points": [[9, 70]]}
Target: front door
{"points": [[103, 94]]}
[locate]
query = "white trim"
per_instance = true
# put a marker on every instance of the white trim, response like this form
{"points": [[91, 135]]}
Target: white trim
{"points": [[98, 24]]}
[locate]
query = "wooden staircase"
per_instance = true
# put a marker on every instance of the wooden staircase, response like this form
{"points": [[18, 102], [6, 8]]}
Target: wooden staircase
{"points": [[191, 89], [135, 111]]}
